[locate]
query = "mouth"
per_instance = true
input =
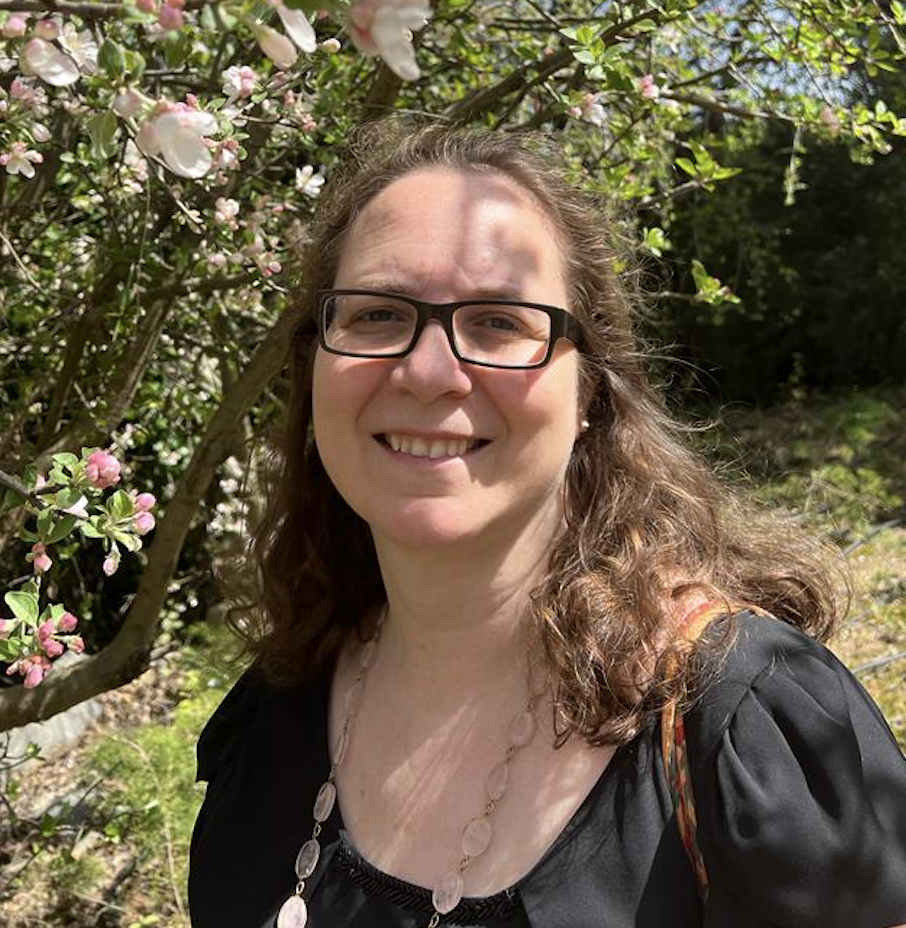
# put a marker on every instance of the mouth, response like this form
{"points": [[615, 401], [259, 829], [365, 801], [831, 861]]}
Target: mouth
{"points": [[419, 447]]}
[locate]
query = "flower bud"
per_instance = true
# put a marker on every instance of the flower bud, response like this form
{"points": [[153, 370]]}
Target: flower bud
{"points": [[14, 27], [46, 629], [146, 6], [4, 627], [145, 501], [76, 644], [331, 46], [41, 561], [47, 29], [40, 132], [171, 17], [53, 648], [111, 565], [143, 523], [68, 622], [34, 676]]}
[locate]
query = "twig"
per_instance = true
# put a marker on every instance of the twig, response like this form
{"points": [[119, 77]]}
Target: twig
{"points": [[16, 485], [854, 546], [19, 262], [878, 663]]}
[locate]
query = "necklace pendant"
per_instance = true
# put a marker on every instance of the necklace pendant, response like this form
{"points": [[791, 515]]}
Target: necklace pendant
{"points": [[293, 913]]}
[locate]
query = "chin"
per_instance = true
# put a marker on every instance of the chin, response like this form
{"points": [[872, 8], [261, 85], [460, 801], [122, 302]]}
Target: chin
{"points": [[428, 527]]}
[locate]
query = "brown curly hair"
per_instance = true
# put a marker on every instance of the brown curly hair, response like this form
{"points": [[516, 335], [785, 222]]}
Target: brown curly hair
{"points": [[646, 519]]}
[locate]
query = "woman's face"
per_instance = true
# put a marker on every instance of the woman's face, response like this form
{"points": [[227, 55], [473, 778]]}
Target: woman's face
{"points": [[443, 235]]}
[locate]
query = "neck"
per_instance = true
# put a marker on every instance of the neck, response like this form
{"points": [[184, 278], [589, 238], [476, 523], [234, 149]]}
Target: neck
{"points": [[459, 616]]}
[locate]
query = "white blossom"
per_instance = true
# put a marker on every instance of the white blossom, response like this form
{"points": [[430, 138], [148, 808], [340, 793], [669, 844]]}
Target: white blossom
{"points": [[300, 30], [81, 47], [49, 63], [178, 136], [384, 27], [20, 159], [307, 182], [276, 46]]}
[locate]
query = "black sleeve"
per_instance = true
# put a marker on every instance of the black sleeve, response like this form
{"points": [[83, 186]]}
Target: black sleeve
{"points": [[800, 790]]}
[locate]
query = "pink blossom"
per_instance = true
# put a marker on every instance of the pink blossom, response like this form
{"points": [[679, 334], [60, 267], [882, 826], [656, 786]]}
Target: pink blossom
{"points": [[76, 644], [68, 622], [384, 27], [648, 89], [102, 470], [146, 6], [53, 648], [145, 501], [15, 26], [5, 625], [34, 676], [46, 629], [217, 260], [40, 132], [143, 523], [592, 110], [110, 566], [238, 81], [171, 15], [41, 561], [20, 159]]}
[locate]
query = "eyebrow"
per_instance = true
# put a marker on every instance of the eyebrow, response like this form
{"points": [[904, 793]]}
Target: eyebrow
{"points": [[389, 285]]}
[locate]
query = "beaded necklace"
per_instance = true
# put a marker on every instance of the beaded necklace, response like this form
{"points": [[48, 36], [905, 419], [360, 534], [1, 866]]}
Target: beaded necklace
{"points": [[476, 836]]}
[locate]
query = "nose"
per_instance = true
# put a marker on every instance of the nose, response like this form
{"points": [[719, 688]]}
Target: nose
{"points": [[431, 370]]}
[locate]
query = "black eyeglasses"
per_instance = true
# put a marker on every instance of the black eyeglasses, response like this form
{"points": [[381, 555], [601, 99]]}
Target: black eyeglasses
{"points": [[491, 333]]}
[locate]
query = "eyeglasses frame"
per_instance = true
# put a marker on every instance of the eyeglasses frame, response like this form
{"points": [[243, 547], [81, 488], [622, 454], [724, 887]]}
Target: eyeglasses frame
{"points": [[563, 325]]}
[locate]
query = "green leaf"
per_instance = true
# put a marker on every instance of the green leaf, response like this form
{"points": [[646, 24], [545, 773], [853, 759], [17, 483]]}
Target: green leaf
{"points": [[134, 62], [24, 605], [120, 506], [111, 59], [61, 529], [129, 541], [686, 165], [91, 528], [45, 524], [11, 500], [102, 129], [9, 652]]}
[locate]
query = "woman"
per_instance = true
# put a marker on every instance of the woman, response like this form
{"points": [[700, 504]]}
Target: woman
{"points": [[475, 572]]}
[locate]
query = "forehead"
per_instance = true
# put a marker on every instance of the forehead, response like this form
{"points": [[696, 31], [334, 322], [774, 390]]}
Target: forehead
{"points": [[445, 229]]}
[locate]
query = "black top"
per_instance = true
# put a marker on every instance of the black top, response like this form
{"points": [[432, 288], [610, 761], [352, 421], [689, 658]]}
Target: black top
{"points": [[800, 793]]}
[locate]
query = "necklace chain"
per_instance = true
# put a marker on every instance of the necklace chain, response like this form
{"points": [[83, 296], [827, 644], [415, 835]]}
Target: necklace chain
{"points": [[476, 836]]}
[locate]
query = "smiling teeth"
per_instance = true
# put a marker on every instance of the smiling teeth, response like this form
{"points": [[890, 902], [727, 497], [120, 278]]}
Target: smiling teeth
{"points": [[439, 448]]}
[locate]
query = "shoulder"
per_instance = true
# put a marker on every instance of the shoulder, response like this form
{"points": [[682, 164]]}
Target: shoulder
{"points": [[800, 787], [255, 712]]}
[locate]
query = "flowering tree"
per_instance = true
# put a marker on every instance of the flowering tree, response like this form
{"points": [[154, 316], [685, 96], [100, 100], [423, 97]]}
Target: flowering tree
{"points": [[158, 164]]}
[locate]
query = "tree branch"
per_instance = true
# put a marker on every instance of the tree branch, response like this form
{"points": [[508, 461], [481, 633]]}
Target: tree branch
{"points": [[81, 9], [128, 654]]}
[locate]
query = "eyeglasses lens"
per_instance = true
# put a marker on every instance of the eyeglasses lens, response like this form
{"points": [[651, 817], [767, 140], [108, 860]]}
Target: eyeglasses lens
{"points": [[373, 325]]}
